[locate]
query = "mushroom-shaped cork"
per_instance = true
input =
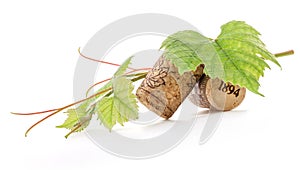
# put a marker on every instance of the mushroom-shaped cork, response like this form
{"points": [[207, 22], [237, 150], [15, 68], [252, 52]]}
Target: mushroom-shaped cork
{"points": [[216, 94]]}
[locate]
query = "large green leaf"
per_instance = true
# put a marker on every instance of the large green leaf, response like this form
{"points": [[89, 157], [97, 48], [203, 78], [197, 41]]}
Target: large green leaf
{"points": [[243, 55], [237, 55], [188, 49]]}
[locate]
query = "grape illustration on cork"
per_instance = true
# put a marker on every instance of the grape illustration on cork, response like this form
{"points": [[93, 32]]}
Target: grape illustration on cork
{"points": [[212, 73]]}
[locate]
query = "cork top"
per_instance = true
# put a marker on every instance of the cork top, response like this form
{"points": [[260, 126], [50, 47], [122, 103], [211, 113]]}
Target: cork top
{"points": [[224, 96]]}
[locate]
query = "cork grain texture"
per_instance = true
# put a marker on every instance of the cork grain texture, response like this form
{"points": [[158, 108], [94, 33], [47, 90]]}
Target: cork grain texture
{"points": [[164, 89], [198, 96], [216, 94], [223, 100]]}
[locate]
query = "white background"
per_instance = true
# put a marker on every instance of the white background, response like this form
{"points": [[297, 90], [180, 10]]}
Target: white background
{"points": [[38, 42]]}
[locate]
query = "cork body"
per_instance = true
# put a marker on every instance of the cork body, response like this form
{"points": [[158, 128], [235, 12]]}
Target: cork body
{"points": [[216, 94], [164, 89]]}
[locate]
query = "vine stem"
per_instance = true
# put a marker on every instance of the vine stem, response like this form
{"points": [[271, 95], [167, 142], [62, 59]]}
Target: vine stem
{"points": [[285, 53], [140, 76], [62, 108], [55, 111], [102, 81]]}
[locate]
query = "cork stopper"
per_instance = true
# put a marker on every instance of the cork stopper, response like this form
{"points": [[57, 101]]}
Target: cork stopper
{"points": [[164, 89], [198, 95], [217, 94]]}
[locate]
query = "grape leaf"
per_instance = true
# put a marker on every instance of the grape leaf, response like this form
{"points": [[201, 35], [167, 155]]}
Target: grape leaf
{"points": [[188, 49], [243, 55], [108, 113], [237, 55], [120, 107], [121, 70], [78, 116]]}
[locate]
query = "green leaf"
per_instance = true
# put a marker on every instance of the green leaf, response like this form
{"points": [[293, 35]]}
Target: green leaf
{"points": [[243, 55], [121, 70], [120, 107], [237, 55], [187, 50], [125, 99], [78, 116], [82, 115], [108, 113]]}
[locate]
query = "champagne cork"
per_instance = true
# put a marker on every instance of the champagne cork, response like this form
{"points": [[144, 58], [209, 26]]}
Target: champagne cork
{"points": [[217, 94], [164, 89]]}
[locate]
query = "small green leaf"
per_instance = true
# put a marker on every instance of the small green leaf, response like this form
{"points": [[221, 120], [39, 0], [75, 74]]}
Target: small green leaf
{"points": [[120, 107], [105, 104], [108, 113], [121, 70], [125, 100], [78, 116]]}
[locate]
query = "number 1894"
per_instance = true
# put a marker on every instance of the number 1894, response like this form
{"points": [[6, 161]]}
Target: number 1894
{"points": [[229, 89]]}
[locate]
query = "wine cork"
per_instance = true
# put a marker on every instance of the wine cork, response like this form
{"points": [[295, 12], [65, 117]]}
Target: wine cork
{"points": [[216, 94], [164, 89], [198, 95]]}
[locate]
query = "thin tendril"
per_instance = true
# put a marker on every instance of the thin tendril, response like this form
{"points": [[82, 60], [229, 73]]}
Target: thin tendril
{"points": [[106, 62], [67, 106], [55, 111], [90, 88], [100, 61], [34, 113]]}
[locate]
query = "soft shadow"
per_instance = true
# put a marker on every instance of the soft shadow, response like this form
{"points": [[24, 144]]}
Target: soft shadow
{"points": [[166, 123], [207, 111], [159, 123], [203, 112], [236, 111]]}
